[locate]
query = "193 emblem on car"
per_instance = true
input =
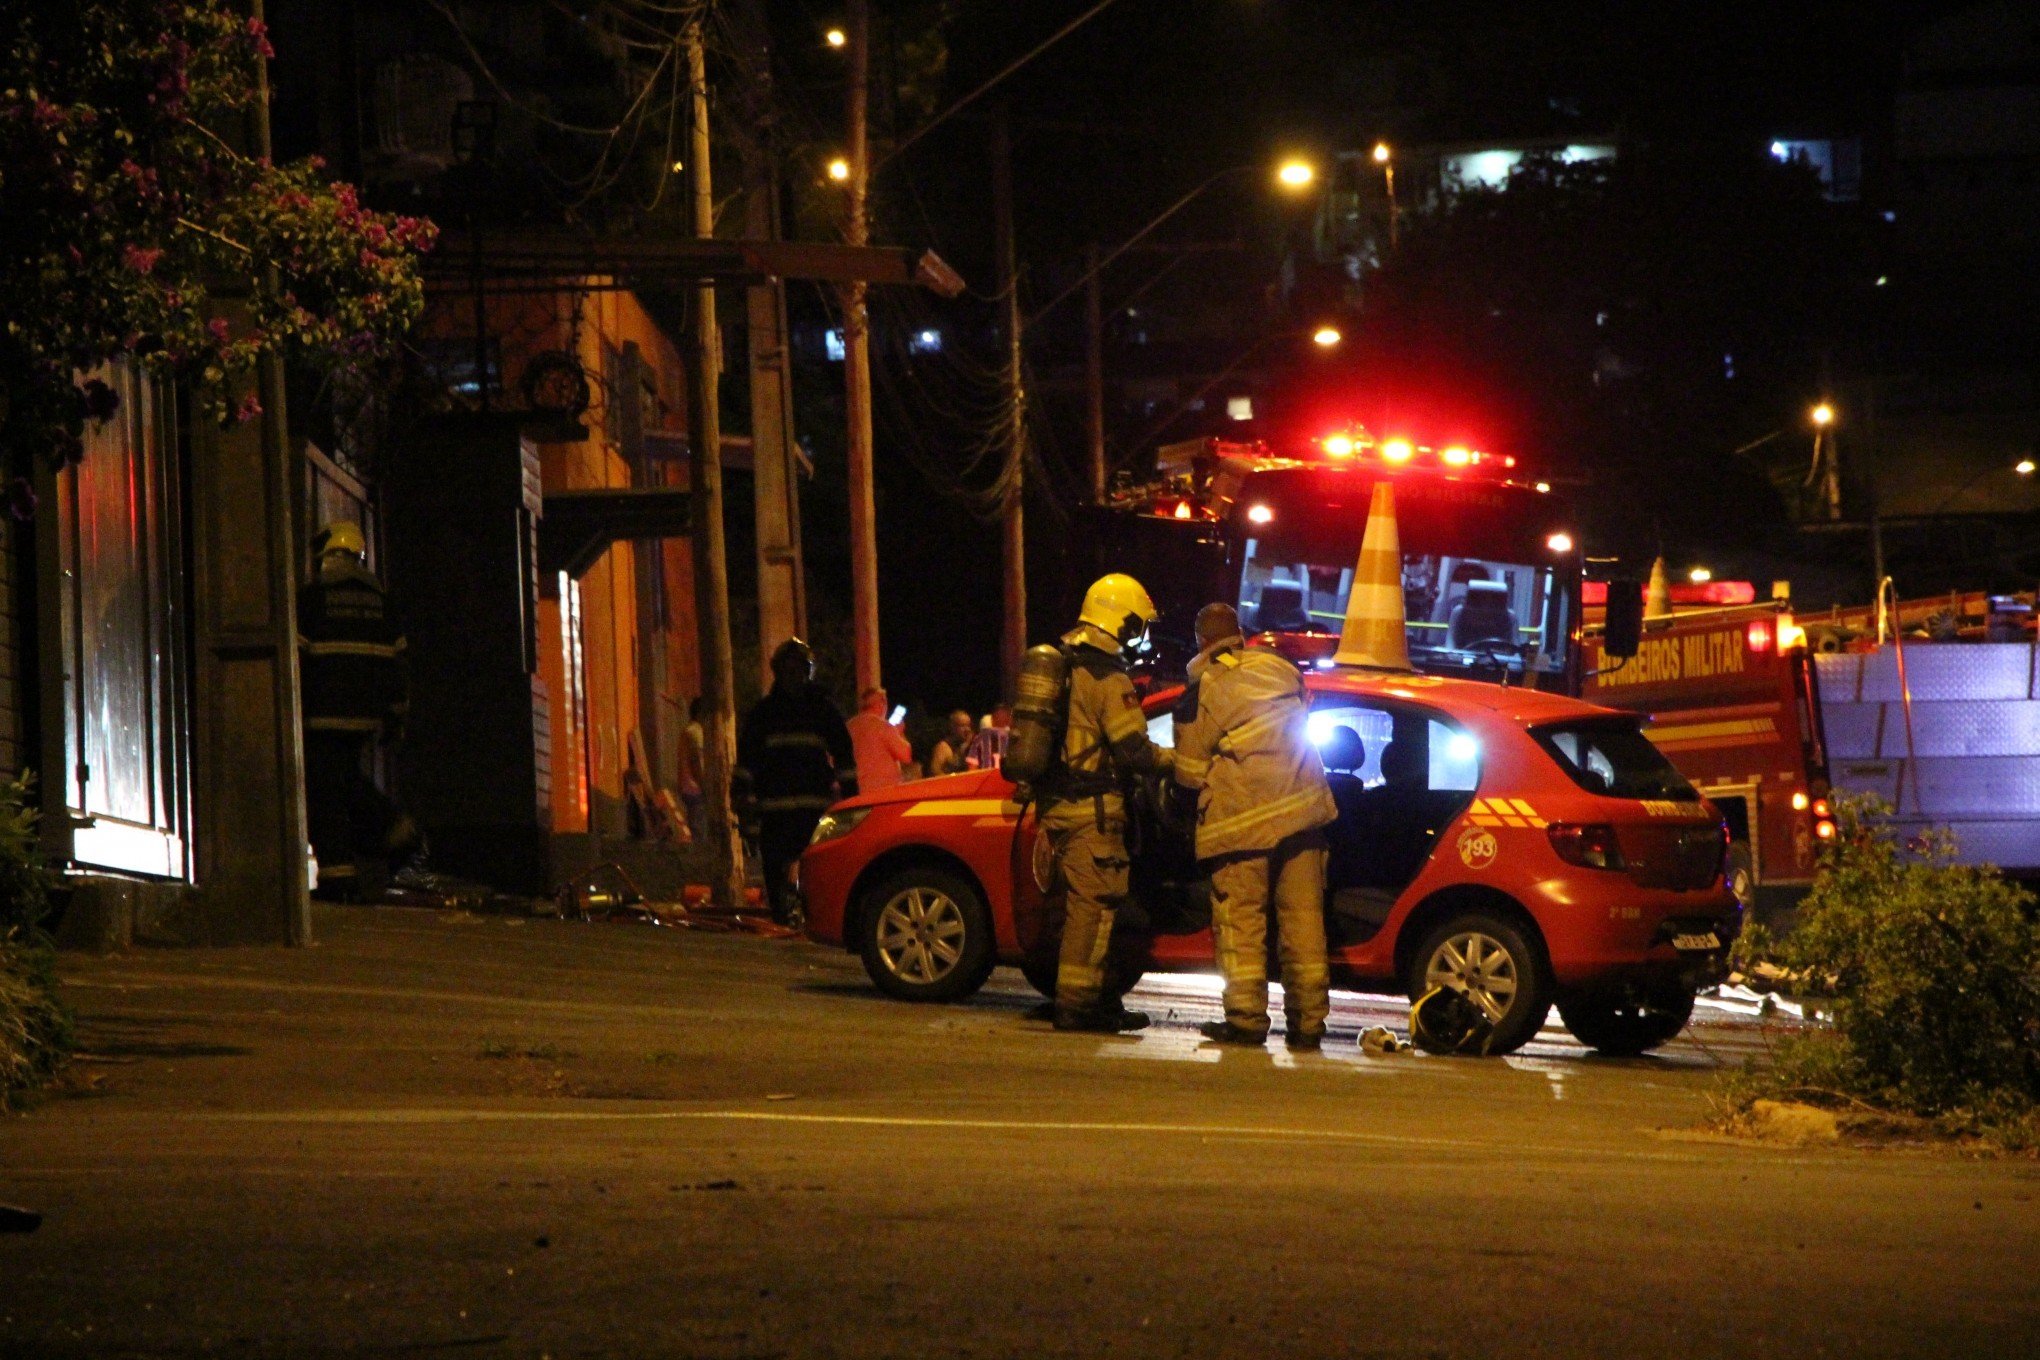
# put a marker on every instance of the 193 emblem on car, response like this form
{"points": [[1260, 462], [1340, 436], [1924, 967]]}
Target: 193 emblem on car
{"points": [[1477, 848]]}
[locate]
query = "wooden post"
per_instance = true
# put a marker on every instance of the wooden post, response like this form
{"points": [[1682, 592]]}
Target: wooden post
{"points": [[1094, 371], [1012, 530], [782, 586], [711, 564], [857, 365]]}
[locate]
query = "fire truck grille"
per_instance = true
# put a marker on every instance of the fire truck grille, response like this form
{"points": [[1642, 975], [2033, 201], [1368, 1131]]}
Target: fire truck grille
{"points": [[1679, 858]]}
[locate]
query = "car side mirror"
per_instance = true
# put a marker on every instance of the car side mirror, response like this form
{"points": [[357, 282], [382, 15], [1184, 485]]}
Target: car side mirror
{"points": [[1622, 621]]}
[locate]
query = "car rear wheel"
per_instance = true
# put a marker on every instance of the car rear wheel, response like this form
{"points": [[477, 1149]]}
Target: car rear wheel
{"points": [[1627, 1022], [1491, 963], [926, 936]]}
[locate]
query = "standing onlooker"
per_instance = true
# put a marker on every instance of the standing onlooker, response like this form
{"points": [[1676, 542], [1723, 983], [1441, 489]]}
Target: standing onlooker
{"points": [[881, 750], [952, 753], [693, 758], [988, 747]]}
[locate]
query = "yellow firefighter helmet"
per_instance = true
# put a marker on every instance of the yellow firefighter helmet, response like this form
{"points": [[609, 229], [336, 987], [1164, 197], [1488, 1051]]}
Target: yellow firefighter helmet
{"points": [[342, 536], [1119, 606]]}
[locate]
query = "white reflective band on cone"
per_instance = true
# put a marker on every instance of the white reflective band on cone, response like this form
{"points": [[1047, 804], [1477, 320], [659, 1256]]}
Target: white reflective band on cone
{"points": [[1376, 633]]}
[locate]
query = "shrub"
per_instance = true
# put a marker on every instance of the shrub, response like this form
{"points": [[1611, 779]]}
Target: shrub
{"points": [[1933, 968], [35, 1028]]}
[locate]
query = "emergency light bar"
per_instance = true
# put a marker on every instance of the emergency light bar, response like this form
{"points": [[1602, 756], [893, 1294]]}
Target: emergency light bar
{"points": [[1398, 451]]}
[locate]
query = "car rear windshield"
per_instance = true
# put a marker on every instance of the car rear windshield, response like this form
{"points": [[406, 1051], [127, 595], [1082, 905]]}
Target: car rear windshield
{"points": [[1612, 757]]}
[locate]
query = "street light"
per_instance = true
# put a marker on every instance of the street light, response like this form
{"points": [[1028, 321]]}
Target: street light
{"points": [[836, 37], [1327, 336], [1384, 158], [2024, 467], [1823, 415], [1296, 174], [1700, 576], [839, 170]]}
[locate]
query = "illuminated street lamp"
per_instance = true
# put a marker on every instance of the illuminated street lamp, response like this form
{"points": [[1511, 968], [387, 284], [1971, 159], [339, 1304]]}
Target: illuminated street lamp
{"points": [[1327, 336], [2024, 467], [1384, 158], [836, 37], [1824, 477], [1296, 174], [839, 170]]}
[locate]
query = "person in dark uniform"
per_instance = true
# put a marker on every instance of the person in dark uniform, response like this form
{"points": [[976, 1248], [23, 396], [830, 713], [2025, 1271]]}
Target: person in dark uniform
{"points": [[352, 677], [794, 750]]}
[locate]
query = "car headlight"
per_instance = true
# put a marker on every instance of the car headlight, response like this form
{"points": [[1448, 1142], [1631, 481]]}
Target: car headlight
{"points": [[838, 822]]}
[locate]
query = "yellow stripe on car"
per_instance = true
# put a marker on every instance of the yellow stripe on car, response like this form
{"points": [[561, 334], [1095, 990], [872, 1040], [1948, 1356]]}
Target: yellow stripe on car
{"points": [[963, 807]]}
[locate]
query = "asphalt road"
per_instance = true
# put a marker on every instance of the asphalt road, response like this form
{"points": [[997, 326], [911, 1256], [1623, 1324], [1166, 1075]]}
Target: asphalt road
{"points": [[486, 1136]]}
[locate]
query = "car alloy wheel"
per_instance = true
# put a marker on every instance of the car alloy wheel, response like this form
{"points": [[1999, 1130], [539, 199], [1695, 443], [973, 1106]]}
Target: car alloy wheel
{"points": [[921, 935], [1478, 967], [925, 935], [1497, 966]]}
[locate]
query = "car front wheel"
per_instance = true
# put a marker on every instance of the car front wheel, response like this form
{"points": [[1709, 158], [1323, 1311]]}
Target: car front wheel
{"points": [[1625, 1023], [1494, 966], [926, 936]]}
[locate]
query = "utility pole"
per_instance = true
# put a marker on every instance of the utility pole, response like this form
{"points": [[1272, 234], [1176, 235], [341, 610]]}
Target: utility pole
{"points": [[711, 563], [1094, 371], [857, 365], [782, 586], [1012, 536]]}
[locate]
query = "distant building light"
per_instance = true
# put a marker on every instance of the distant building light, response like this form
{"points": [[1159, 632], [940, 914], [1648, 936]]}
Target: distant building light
{"points": [[1883, 279], [832, 345], [927, 341], [1240, 408]]}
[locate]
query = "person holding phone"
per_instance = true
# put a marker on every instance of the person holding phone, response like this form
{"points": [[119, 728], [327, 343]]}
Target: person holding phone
{"points": [[875, 736]]}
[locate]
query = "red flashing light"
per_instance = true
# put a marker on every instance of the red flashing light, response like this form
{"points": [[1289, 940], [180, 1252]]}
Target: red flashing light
{"points": [[1339, 445], [1760, 635], [1824, 830], [1398, 451]]}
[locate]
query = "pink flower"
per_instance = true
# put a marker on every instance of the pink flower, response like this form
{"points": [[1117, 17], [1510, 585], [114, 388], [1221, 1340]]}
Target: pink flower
{"points": [[141, 259], [218, 327], [250, 407], [258, 33]]}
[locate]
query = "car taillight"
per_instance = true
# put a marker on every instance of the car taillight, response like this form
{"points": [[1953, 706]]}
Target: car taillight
{"points": [[1590, 845]]}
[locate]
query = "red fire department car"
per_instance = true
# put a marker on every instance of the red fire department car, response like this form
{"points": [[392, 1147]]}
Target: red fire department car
{"points": [[1530, 849]]}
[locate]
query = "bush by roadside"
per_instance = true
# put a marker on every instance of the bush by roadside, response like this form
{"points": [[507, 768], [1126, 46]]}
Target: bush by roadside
{"points": [[1931, 973], [35, 1027]]}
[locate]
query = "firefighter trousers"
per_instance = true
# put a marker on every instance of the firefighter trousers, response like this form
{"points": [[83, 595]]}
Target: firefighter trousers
{"points": [[1093, 868], [1288, 880]]}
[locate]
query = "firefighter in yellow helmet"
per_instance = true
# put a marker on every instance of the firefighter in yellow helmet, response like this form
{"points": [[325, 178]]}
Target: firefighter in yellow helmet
{"points": [[1242, 741], [1083, 806], [355, 691]]}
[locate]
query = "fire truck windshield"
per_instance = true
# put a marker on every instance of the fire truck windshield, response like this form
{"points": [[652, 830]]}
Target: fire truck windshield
{"points": [[1466, 614]]}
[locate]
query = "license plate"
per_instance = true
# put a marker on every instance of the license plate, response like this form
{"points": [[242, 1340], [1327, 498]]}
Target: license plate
{"points": [[1696, 942]]}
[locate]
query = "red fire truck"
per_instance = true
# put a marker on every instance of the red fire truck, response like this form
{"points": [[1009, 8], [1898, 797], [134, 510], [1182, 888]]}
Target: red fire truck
{"points": [[1491, 566], [1735, 705]]}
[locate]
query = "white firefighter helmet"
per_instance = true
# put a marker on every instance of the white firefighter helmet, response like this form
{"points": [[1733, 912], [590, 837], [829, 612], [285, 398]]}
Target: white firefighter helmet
{"points": [[1118, 606]]}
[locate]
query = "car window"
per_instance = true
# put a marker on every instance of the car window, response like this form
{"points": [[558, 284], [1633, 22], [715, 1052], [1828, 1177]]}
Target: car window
{"points": [[1351, 739], [1612, 757]]}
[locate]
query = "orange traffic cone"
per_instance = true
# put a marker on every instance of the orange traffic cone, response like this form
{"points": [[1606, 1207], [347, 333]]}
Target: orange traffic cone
{"points": [[1657, 600], [1376, 634]]}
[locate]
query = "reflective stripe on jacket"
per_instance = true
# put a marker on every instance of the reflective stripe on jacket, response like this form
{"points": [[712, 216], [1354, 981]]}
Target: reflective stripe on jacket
{"points": [[1242, 740], [1105, 740]]}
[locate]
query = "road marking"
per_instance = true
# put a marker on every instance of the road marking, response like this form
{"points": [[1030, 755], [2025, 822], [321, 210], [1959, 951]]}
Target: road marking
{"points": [[454, 1116]]}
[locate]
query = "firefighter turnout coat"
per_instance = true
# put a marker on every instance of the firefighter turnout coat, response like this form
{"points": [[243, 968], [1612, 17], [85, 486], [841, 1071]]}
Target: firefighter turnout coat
{"points": [[1241, 742]]}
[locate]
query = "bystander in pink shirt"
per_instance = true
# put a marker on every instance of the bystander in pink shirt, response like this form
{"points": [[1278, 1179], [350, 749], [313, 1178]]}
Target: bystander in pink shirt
{"points": [[879, 746]]}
